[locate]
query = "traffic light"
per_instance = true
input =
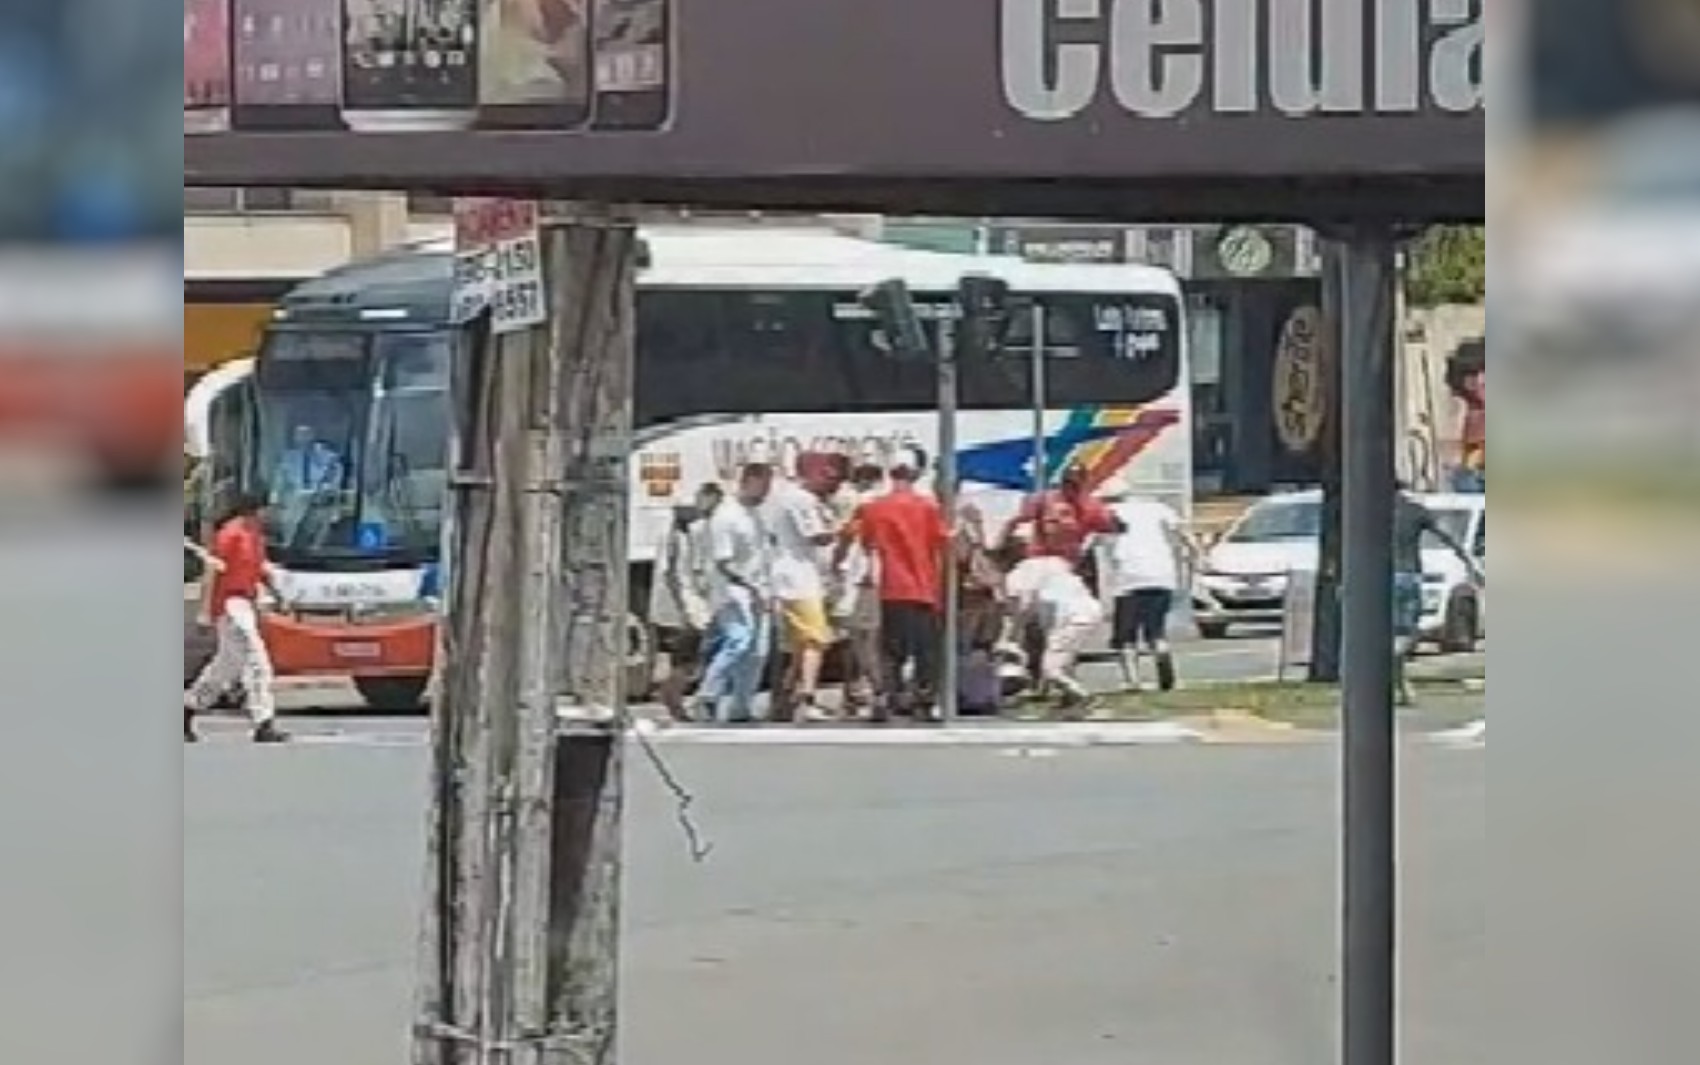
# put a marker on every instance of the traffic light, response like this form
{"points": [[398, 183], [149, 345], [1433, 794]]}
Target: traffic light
{"points": [[985, 312], [894, 309]]}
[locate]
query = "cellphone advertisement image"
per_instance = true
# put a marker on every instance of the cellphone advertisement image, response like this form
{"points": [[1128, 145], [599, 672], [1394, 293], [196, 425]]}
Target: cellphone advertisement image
{"points": [[288, 63], [410, 65], [534, 64], [206, 66], [633, 67]]}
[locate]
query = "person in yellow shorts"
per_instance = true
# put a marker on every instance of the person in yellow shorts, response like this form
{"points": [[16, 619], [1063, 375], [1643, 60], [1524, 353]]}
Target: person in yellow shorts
{"points": [[802, 527]]}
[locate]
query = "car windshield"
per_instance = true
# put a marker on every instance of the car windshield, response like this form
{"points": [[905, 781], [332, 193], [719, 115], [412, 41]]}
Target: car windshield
{"points": [[1455, 521], [1274, 521]]}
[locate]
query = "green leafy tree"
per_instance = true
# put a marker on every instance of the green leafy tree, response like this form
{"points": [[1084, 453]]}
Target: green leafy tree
{"points": [[1447, 264]]}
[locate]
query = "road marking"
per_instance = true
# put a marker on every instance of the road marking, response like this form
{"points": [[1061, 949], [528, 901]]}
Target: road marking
{"points": [[1470, 737]]}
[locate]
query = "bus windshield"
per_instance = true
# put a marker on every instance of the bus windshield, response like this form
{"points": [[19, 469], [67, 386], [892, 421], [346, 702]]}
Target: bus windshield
{"points": [[352, 444], [404, 482]]}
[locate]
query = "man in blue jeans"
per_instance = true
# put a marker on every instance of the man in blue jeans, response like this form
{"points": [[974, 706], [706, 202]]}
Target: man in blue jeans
{"points": [[740, 597]]}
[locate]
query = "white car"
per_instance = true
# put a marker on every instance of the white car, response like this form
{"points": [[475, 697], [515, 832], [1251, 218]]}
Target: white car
{"points": [[1242, 577]]}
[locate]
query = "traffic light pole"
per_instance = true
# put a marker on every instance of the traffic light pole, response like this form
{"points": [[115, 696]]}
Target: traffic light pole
{"points": [[950, 662]]}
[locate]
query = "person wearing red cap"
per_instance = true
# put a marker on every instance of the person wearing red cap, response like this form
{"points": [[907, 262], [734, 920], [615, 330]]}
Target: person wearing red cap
{"points": [[1064, 519]]}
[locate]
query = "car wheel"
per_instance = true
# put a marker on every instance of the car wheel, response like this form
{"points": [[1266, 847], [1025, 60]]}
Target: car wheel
{"points": [[1213, 630], [1462, 631]]}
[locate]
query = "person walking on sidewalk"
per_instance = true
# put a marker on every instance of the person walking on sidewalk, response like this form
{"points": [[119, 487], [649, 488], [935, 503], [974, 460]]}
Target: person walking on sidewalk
{"points": [[906, 535], [741, 589], [803, 528], [231, 605], [1145, 561]]}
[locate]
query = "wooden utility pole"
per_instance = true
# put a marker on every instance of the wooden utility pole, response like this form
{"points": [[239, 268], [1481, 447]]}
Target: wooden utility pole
{"points": [[519, 945]]}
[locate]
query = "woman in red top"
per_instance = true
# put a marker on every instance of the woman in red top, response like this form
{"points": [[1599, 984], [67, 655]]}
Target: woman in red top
{"points": [[237, 571]]}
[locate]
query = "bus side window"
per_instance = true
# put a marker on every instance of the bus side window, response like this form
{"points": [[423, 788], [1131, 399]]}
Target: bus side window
{"points": [[230, 432], [1478, 544]]}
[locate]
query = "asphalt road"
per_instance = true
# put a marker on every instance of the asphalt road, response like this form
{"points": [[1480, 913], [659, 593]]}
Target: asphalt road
{"points": [[1170, 905]]}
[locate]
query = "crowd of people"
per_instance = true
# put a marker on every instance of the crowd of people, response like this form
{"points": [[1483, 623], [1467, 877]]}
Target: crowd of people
{"points": [[760, 586], [754, 589]]}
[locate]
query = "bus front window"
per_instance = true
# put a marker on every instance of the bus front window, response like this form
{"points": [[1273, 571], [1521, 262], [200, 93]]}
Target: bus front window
{"points": [[313, 394], [404, 481]]}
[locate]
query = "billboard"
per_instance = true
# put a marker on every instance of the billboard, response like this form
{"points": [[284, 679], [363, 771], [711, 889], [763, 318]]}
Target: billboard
{"points": [[954, 106]]}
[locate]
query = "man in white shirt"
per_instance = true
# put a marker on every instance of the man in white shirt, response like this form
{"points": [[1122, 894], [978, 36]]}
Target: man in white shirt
{"points": [[802, 525], [1047, 591], [740, 589], [1145, 560]]}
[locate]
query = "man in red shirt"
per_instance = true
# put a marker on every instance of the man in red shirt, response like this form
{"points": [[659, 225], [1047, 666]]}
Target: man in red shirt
{"points": [[238, 570], [906, 535], [1063, 521]]}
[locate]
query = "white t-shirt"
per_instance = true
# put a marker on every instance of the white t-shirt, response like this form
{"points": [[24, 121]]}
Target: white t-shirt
{"points": [[796, 518], [1050, 589], [1144, 556], [739, 541]]}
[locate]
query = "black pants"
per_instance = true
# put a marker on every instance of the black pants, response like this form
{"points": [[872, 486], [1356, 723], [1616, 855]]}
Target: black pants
{"points": [[909, 636], [1142, 618]]}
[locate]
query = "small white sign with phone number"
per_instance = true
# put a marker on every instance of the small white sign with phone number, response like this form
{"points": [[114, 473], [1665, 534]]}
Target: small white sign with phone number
{"points": [[499, 264]]}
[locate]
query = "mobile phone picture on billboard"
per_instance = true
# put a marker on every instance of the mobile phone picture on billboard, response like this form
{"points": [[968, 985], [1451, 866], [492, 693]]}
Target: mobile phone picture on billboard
{"points": [[409, 65], [206, 66], [534, 64], [288, 56], [633, 64]]}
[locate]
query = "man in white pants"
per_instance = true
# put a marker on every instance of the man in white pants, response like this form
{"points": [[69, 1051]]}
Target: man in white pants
{"points": [[1049, 591], [237, 571]]}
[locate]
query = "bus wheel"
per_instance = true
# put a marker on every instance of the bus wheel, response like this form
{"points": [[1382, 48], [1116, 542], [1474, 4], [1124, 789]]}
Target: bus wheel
{"points": [[393, 695]]}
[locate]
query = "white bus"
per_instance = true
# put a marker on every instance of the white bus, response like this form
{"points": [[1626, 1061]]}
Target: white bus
{"points": [[752, 346]]}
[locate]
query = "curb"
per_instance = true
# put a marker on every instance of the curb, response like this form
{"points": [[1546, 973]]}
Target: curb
{"points": [[1070, 734], [1230, 726]]}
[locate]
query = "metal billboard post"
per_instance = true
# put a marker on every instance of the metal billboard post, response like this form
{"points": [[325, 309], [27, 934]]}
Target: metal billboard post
{"points": [[1369, 760]]}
